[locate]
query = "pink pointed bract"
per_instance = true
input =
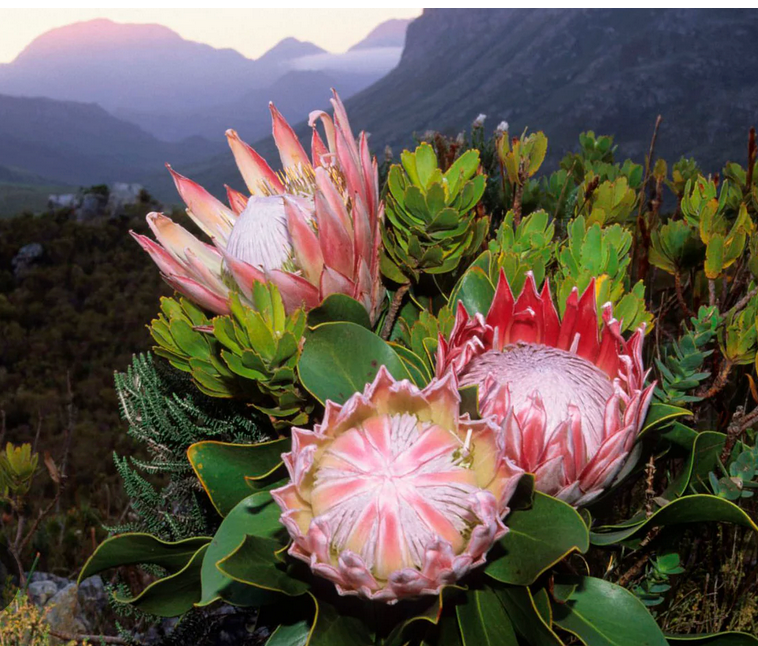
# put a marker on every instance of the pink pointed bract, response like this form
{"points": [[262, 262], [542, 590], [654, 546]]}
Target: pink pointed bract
{"points": [[568, 394], [394, 494], [313, 228]]}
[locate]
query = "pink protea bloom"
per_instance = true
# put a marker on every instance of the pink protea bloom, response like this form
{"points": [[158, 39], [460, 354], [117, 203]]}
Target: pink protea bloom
{"points": [[313, 229], [394, 495], [570, 397]]}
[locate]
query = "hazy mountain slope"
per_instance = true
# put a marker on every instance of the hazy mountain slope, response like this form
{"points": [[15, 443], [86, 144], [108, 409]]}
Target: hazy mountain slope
{"points": [[565, 71], [78, 143], [120, 65], [390, 33], [175, 88]]}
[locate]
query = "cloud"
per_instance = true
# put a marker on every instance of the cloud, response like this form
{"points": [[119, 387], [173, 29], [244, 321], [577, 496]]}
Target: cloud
{"points": [[376, 60]]}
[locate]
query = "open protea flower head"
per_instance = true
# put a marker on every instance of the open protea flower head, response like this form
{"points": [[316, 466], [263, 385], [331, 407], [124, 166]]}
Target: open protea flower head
{"points": [[569, 396], [394, 495], [312, 229]]}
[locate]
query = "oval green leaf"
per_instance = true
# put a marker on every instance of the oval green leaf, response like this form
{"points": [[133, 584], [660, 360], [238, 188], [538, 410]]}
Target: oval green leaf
{"points": [[339, 359], [416, 367], [137, 548], [339, 307], [257, 515], [525, 615], [537, 539], [697, 508], [730, 638], [474, 290], [257, 563], [173, 595], [601, 613], [224, 469], [483, 620]]}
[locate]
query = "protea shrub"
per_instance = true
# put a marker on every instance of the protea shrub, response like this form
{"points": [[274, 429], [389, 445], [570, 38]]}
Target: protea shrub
{"points": [[395, 494], [568, 394], [313, 228]]}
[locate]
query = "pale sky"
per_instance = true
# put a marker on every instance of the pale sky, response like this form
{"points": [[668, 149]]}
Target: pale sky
{"points": [[249, 31]]}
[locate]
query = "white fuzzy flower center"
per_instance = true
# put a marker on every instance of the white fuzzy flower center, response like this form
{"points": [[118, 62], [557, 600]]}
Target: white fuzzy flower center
{"points": [[559, 377], [260, 236], [390, 487]]}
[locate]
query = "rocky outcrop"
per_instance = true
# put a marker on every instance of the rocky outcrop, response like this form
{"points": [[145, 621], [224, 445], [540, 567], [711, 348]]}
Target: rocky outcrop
{"points": [[69, 609], [568, 70], [26, 258], [99, 201]]}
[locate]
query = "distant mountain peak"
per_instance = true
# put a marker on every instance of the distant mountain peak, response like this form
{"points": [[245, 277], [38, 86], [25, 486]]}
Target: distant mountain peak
{"points": [[289, 49], [98, 34], [390, 33]]}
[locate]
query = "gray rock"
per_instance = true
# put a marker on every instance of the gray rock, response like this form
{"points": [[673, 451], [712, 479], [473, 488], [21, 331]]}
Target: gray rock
{"points": [[122, 195], [41, 591], [93, 601], [26, 257], [92, 207], [63, 612], [64, 201]]}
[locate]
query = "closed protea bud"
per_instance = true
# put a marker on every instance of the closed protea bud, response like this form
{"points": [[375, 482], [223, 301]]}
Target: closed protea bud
{"points": [[570, 397], [394, 495]]}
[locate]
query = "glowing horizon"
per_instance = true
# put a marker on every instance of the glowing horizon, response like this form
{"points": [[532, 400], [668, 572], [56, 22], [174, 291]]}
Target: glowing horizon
{"points": [[251, 32]]}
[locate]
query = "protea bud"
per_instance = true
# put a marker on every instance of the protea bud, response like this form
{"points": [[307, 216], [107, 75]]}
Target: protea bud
{"points": [[312, 229], [393, 494], [569, 396]]}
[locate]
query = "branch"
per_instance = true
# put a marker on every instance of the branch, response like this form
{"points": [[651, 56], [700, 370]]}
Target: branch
{"points": [[397, 299], [742, 303], [680, 295], [719, 382], [93, 639], [642, 263], [639, 564]]}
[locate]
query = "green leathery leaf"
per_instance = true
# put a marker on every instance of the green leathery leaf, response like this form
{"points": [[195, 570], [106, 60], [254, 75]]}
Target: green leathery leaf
{"points": [[660, 414], [340, 307], [520, 605], [601, 613], [537, 539], [426, 163], [474, 290], [173, 595], [138, 548], [334, 628], [187, 339], [339, 359], [255, 562], [697, 508], [714, 257], [237, 366], [483, 620], [257, 515], [728, 638], [464, 167], [222, 468], [702, 459], [430, 615], [419, 371], [296, 634], [391, 270], [261, 337]]}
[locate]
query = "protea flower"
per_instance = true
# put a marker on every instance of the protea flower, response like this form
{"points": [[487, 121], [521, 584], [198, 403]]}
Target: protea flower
{"points": [[570, 397], [393, 494], [312, 229]]}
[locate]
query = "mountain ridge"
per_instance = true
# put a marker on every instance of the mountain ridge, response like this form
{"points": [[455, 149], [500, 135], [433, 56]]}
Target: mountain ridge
{"points": [[564, 72]]}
